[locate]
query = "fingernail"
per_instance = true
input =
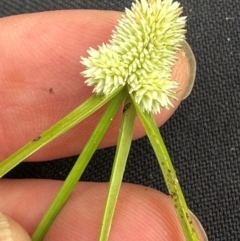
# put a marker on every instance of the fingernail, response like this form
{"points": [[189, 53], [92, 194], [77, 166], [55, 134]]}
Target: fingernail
{"points": [[192, 61], [5, 231], [200, 227]]}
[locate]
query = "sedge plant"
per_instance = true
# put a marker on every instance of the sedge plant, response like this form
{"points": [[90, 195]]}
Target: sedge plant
{"points": [[131, 72]]}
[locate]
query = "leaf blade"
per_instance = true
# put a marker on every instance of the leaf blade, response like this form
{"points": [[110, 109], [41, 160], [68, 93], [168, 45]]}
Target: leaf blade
{"points": [[123, 147], [169, 174]]}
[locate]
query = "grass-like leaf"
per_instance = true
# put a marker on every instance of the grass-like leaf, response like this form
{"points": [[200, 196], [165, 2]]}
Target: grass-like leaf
{"points": [[73, 118], [169, 174], [123, 147], [79, 167]]}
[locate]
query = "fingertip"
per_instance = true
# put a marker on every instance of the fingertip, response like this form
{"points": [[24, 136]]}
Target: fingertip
{"points": [[147, 214], [193, 67], [11, 231], [199, 228]]}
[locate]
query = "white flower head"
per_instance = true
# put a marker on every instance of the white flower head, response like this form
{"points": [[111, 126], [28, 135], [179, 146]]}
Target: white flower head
{"points": [[140, 54]]}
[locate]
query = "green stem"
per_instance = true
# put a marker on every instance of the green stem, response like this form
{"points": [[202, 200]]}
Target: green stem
{"points": [[168, 173], [73, 118], [123, 147], [79, 167]]}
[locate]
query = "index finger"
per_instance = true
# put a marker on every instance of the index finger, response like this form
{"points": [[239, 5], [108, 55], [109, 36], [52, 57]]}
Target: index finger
{"points": [[40, 80]]}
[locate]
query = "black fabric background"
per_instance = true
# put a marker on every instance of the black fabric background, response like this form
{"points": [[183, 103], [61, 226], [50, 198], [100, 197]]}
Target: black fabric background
{"points": [[203, 136]]}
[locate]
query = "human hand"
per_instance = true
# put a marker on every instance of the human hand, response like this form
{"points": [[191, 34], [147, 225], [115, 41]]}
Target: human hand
{"points": [[40, 83]]}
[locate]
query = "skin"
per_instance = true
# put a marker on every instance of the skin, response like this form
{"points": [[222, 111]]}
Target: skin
{"points": [[40, 83]]}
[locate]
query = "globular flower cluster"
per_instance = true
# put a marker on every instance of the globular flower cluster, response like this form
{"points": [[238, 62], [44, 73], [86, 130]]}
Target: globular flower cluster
{"points": [[140, 54]]}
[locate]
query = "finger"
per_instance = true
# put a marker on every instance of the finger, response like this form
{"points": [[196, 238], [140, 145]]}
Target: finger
{"points": [[11, 231], [40, 81], [141, 213]]}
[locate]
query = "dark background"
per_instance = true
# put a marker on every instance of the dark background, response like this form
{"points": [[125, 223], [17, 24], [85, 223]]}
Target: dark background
{"points": [[203, 136]]}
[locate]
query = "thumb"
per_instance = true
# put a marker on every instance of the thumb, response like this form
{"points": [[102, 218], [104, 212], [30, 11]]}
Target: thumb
{"points": [[11, 231]]}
